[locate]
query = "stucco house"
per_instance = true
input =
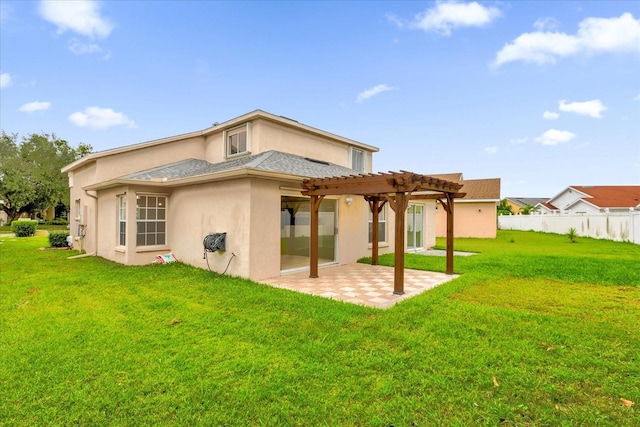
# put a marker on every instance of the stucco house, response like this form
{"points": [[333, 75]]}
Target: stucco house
{"points": [[475, 213], [242, 178], [593, 199], [518, 204]]}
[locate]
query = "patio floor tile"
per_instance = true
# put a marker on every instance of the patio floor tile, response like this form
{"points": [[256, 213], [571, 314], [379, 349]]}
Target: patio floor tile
{"points": [[369, 285]]}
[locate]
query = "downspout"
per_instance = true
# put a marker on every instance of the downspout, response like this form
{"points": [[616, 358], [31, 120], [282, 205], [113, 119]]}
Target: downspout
{"points": [[95, 220]]}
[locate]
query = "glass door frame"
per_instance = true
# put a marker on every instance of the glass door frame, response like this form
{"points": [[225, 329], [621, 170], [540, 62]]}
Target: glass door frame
{"points": [[415, 229], [298, 257]]}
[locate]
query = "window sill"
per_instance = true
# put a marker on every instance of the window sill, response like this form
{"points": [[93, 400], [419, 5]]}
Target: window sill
{"points": [[233, 156], [140, 249], [121, 249], [380, 245]]}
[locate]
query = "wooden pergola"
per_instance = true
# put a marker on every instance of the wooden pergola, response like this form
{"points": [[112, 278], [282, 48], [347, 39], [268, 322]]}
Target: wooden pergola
{"points": [[395, 188]]}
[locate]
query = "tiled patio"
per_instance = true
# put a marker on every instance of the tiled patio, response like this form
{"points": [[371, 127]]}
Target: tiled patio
{"points": [[370, 285]]}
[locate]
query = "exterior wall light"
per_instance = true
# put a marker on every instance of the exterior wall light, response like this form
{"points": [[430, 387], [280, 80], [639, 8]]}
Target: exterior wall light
{"points": [[348, 199]]}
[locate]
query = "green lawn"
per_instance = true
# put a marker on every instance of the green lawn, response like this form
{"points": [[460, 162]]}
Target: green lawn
{"points": [[537, 331]]}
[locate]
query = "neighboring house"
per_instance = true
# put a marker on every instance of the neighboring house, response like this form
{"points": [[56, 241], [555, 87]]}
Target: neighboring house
{"points": [[518, 204], [242, 177], [475, 213], [593, 199]]}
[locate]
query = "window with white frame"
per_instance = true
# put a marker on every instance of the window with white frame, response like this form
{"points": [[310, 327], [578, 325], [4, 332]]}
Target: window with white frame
{"points": [[237, 141], [357, 160], [78, 211], [122, 220], [151, 214], [382, 225]]}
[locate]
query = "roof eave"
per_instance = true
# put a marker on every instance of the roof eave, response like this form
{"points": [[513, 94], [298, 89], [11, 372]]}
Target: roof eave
{"points": [[199, 179]]}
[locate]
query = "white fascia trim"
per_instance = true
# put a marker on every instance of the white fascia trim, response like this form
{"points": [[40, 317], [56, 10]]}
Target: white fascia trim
{"points": [[199, 179], [476, 200]]}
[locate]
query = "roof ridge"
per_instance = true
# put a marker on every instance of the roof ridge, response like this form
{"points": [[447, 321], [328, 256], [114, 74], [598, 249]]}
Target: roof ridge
{"points": [[259, 159]]}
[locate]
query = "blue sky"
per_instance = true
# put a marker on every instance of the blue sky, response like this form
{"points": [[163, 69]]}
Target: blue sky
{"points": [[542, 94]]}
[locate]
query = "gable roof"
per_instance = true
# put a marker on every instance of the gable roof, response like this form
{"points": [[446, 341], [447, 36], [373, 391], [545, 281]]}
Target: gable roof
{"points": [[611, 196], [269, 163], [523, 201], [219, 127], [476, 189], [481, 189]]}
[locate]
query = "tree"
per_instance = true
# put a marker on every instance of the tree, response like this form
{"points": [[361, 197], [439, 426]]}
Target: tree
{"points": [[504, 208], [30, 177], [529, 209]]}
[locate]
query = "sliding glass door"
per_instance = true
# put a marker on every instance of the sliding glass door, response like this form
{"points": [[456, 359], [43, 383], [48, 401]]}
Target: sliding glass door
{"points": [[415, 227], [295, 232]]}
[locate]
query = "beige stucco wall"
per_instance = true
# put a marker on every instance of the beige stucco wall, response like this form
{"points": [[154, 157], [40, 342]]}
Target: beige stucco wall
{"points": [[470, 219], [266, 135], [248, 210], [198, 210], [273, 136], [119, 164], [353, 229], [83, 209]]}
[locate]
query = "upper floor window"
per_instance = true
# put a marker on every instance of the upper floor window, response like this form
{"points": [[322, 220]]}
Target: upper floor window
{"points": [[357, 160], [151, 218], [237, 141]]}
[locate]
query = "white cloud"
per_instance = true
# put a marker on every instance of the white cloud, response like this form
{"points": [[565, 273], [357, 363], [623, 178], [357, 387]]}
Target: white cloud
{"points": [[80, 48], [79, 16], [637, 98], [550, 115], [5, 12], [100, 118], [5, 80], [491, 150], [447, 15], [372, 92], [30, 107], [543, 24], [555, 137], [592, 108], [594, 35], [518, 140]]}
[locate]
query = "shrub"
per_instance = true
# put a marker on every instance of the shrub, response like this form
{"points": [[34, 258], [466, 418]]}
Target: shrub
{"points": [[58, 239], [57, 221], [24, 228], [572, 234]]}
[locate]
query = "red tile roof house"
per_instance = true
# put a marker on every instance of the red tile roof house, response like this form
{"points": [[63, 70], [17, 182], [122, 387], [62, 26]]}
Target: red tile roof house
{"points": [[593, 199], [241, 177]]}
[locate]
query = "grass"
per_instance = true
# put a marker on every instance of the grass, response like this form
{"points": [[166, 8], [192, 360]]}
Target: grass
{"points": [[536, 331], [6, 229]]}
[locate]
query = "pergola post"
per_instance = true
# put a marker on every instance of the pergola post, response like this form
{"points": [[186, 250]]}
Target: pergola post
{"points": [[399, 204], [448, 207], [313, 239]]}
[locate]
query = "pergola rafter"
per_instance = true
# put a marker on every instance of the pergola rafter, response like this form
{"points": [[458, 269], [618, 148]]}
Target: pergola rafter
{"points": [[394, 188]]}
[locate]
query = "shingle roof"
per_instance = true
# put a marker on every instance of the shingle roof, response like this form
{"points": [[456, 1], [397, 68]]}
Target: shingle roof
{"points": [[481, 189], [531, 201], [611, 196], [272, 161]]}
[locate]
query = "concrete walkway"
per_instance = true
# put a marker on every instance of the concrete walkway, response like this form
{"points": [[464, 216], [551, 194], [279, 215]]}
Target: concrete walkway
{"points": [[364, 284]]}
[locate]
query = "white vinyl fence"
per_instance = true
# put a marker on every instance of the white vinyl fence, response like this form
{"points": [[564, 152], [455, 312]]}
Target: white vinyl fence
{"points": [[622, 227]]}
